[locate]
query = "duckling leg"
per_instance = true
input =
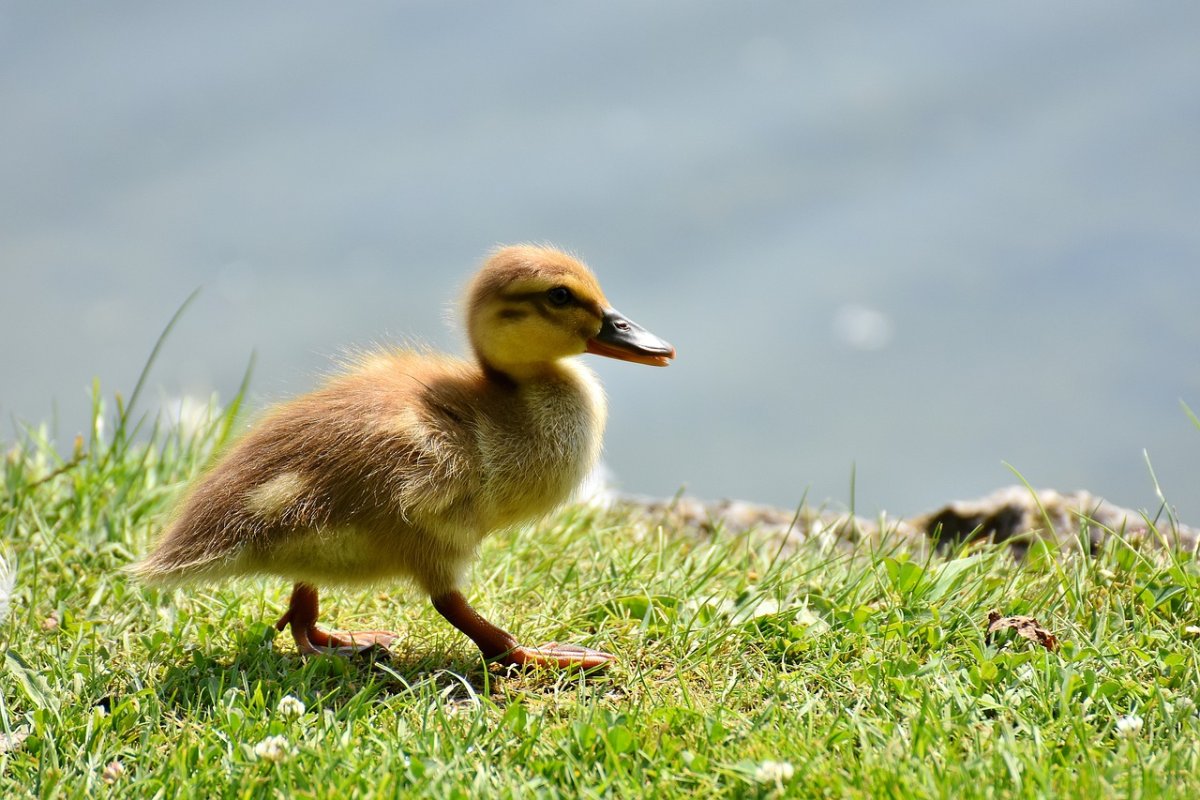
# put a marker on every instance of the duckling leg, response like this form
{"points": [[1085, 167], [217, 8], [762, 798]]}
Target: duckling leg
{"points": [[501, 646], [302, 613]]}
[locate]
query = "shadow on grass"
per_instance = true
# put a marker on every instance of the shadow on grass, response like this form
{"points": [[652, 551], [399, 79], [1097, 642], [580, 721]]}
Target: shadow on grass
{"points": [[260, 673]]}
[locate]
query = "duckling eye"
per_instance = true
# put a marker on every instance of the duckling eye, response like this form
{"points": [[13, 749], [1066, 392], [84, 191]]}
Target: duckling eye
{"points": [[559, 296]]}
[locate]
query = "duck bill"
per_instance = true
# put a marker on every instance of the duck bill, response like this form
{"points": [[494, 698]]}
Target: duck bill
{"points": [[624, 339]]}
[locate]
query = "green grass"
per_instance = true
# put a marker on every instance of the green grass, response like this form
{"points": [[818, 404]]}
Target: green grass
{"points": [[867, 672]]}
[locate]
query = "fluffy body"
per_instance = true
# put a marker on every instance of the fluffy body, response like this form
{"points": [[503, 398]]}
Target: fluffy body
{"points": [[398, 468]]}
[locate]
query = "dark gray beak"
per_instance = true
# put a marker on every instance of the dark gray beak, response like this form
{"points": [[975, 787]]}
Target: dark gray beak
{"points": [[624, 339]]}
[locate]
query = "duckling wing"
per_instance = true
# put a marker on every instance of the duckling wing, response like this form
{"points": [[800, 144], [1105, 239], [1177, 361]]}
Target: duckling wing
{"points": [[359, 453], [322, 473]]}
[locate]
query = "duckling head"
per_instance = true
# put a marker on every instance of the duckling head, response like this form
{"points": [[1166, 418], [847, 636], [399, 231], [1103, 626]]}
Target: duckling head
{"points": [[530, 306]]}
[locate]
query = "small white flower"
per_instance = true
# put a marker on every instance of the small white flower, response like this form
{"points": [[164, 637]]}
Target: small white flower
{"points": [[765, 608], [291, 707], [113, 772], [1129, 725], [273, 748], [777, 772], [1184, 705]]}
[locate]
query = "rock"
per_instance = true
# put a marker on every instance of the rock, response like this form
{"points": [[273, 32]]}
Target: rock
{"points": [[1014, 515]]}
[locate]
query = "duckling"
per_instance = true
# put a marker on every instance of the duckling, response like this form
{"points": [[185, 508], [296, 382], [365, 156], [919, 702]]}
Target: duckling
{"points": [[400, 466]]}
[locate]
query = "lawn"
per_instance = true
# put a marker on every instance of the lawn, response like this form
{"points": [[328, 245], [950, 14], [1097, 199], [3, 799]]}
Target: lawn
{"points": [[750, 667]]}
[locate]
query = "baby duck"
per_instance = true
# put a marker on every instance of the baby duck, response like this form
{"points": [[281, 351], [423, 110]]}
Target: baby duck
{"points": [[401, 466]]}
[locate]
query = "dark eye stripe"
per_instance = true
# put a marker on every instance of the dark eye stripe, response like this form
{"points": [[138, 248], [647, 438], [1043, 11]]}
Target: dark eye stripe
{"points": [[534, 300], [528, 297], [541, 304]]}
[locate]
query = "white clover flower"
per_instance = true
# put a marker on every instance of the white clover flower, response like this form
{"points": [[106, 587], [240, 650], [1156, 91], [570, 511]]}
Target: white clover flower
{"points": [[291, 707], [273, 748], [765, 608], [1129, 725], [113, 772], [777, 772]]}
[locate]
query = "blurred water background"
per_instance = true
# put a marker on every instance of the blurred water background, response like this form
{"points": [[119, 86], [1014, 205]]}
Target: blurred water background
{"points": [[918, 240]]}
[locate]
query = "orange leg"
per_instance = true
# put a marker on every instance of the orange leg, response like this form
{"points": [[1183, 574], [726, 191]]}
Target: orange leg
{"points": [[500, 645], [302, 613]]}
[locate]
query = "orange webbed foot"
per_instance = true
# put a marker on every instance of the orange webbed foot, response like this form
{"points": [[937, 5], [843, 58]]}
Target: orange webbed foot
{"points": [[500, 647], [317, 640], [555, 655], [302, 614]]}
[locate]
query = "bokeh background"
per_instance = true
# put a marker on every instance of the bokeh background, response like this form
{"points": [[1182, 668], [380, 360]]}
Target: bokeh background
{"points": [[915, 240]]}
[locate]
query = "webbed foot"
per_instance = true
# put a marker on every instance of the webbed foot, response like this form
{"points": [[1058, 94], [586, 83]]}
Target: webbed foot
{"points": [[302, 613]]}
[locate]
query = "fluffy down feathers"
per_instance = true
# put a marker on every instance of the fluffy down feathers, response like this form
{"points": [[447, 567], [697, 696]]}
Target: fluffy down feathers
{"points": [[397, 468]]}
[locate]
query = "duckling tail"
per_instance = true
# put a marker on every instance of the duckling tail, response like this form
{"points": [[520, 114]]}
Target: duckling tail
{"points": [[169, 567], [163, 570], [189, 552]]}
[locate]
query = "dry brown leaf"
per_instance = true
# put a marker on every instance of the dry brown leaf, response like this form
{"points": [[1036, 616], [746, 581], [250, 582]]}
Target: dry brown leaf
{"points": [[1028, 627]]}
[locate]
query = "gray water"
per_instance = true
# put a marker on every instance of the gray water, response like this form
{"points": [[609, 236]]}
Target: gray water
{"points": [[916, 241]]}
